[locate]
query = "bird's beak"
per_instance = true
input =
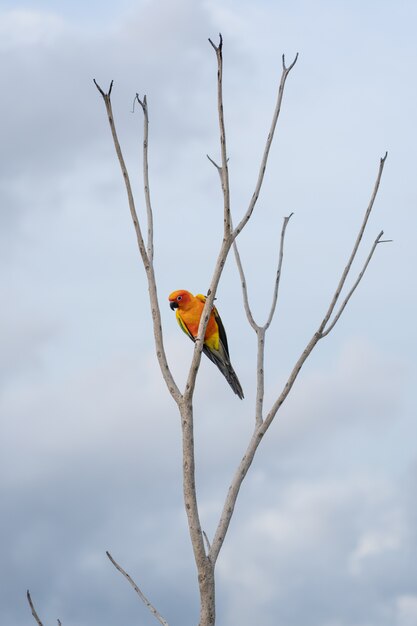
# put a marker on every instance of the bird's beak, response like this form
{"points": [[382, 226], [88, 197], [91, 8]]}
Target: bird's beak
{"points": [[173, 305]]}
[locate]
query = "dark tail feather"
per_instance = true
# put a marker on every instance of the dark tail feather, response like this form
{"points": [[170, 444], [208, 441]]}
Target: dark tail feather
{"points": [[223, 363]]}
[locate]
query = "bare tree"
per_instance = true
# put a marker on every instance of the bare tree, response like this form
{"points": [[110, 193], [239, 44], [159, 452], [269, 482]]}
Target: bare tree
{"points": [[205, 551]]}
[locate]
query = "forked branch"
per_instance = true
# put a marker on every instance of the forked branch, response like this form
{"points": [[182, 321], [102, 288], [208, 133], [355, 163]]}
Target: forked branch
{"points": [[262, 426], [261, 330], [355, 247], [356, 283], [146, 253], [141, 595], [243, 282]]}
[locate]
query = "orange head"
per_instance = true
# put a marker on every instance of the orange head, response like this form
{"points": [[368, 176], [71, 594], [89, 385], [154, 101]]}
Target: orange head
{"points": [[180, 299]]}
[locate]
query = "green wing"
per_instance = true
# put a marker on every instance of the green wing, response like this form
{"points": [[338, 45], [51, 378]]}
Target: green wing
{"points": [[183, 326], [222, 332], [221, 357]]}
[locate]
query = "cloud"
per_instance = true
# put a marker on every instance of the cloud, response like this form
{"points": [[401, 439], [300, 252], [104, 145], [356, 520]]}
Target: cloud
{"points": [[300, 542], [374, 543], [407, 610]]}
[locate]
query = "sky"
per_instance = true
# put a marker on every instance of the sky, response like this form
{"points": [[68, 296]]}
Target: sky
{"points": [[324, 531]]}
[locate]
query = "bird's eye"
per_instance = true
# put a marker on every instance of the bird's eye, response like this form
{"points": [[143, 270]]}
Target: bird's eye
{"points": [[179, 298]]}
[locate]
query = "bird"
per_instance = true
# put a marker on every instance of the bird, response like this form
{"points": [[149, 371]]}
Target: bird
{"points": [[188, 310]]}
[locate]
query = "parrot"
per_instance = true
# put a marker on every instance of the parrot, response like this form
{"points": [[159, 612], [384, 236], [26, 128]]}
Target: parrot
{"points": [[188, 313]]}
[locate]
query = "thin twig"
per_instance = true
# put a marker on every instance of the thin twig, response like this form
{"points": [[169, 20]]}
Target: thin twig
{"points": [[206, 539], [35, 615], [147, 258], [355, 247], [219, 169], [141, 595]]}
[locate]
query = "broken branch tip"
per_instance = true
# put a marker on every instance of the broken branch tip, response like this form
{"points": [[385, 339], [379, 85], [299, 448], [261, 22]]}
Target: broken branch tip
{"points": [[105, 95]]}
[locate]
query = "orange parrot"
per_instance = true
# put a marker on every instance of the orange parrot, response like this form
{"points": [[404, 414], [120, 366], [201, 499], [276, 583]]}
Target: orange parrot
{"points": [[188, 313]]}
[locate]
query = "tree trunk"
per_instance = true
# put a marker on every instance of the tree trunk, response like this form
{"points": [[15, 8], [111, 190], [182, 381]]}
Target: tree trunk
{"points": [[207, 595]]}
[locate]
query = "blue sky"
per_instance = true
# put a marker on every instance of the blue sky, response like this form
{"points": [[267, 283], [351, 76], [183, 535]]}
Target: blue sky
{"points": [[325, 527]]}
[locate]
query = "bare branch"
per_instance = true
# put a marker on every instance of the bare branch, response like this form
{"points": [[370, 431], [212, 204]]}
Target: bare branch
{"points": [[141, 245], [243, 283], [262, 426], [35, 615], [260, 376], [224, 168], [288, 69], [247, 459], [261, 330], [105, 95], [141, 595], [218, 168], [355, 247], [361, 273], [278, 274], [189, 488], [227, 240], [220, 46], [147, 260], [245, 219], [144, 104], [248, 310]]}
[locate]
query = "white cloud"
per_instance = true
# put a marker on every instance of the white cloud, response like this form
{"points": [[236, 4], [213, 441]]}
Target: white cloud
{"points": [[406, 610], [376, 542], [300, 542]]}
